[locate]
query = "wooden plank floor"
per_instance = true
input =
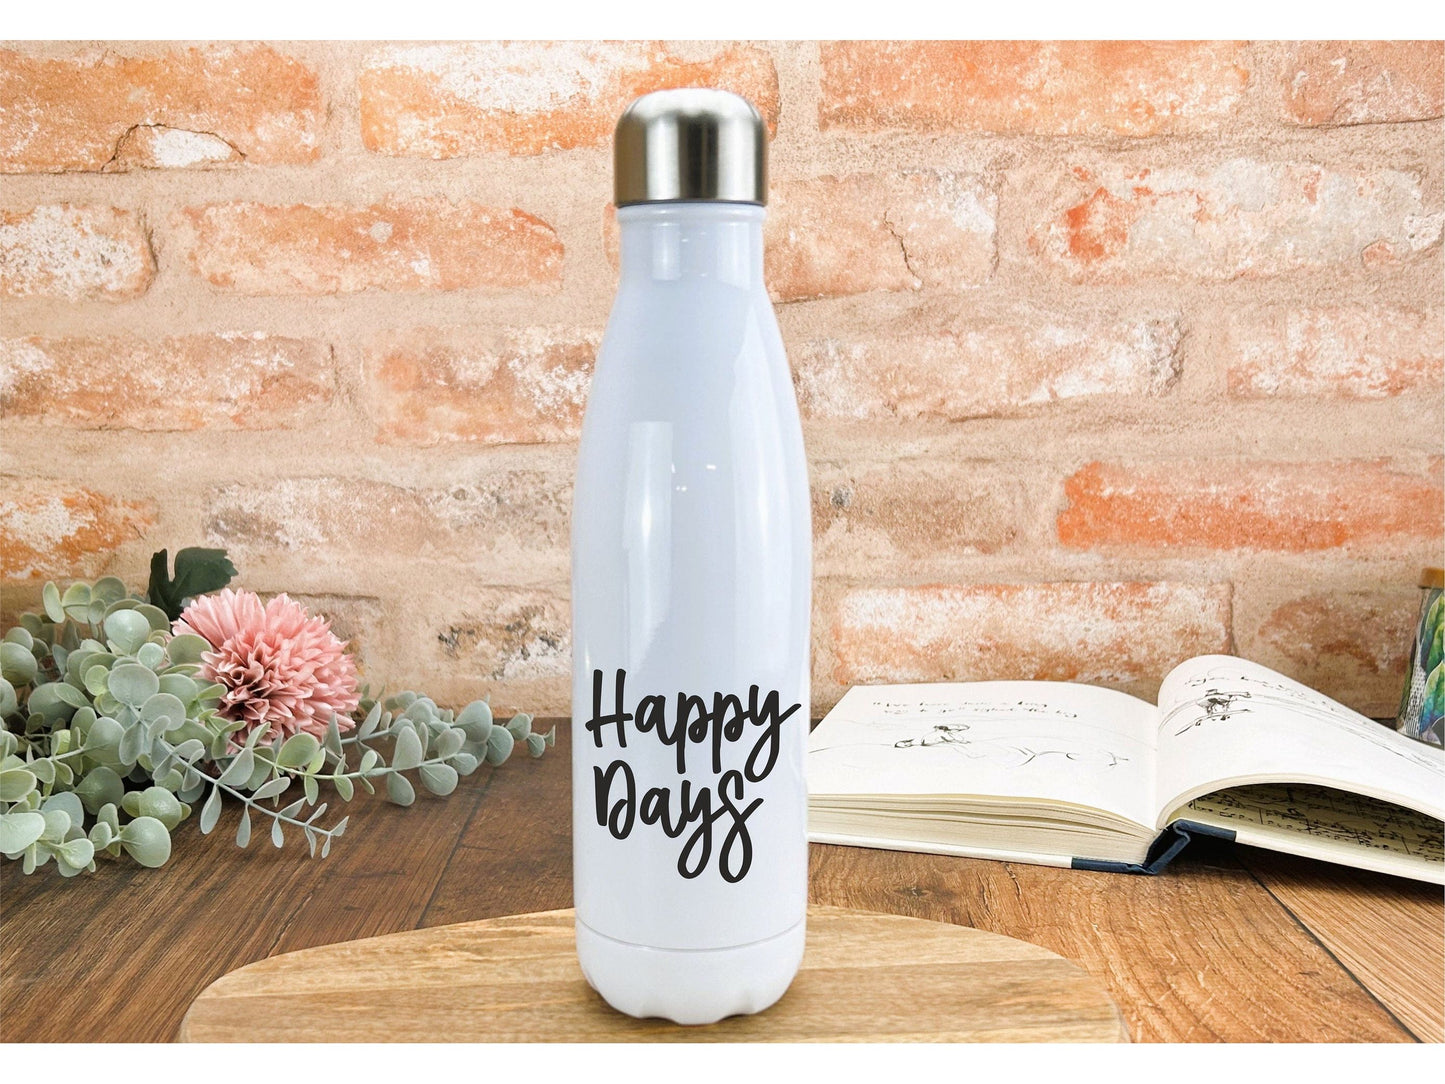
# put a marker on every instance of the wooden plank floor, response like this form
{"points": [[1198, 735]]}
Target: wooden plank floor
{"points": [[1229, 944]]}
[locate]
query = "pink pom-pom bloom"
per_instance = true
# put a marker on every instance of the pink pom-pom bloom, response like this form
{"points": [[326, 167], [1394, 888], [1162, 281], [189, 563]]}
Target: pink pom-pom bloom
{"points": [[279, 664]]}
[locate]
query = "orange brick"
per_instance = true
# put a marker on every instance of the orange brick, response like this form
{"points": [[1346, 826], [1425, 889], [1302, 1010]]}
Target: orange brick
{"points": [[404, 246], [983, 367], [868, 516], [251, 381], [1125, 635], [833, 236], [74, 253], [1349, 352], [521, 513], [872, 516], [1363, 82], [191, 107], [524, 386], [1131, 88], [51, 529], [511, 635], [454, 99], [156, 146], [1351, 645], [1242, 218], [1228, 505]]}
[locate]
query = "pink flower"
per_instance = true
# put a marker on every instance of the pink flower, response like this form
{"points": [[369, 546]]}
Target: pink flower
{"points": [[279, 664]]}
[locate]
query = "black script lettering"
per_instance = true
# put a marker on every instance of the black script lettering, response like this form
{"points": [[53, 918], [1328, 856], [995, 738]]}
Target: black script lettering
{"points": [[768, 742], [738, 833], [675, 811], [619, 819], [618, 717], [730, 730]]}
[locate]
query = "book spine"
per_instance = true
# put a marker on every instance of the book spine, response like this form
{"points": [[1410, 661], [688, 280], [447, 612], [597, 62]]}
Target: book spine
{"points": [[1171, 841]]}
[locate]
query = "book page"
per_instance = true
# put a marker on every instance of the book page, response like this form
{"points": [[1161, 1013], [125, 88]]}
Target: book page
{"points": [[1335, 825], [1226, 722], [1054, 742]]}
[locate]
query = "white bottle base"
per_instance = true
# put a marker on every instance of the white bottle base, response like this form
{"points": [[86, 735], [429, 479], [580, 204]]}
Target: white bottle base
{"points": [[698, 986]]}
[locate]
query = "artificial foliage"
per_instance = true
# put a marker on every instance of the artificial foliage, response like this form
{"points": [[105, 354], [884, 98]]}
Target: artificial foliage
{"points": [[110, 736]]}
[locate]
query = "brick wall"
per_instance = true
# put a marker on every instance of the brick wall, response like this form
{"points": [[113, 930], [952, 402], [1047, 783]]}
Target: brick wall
{"points": [[1108, 353]]}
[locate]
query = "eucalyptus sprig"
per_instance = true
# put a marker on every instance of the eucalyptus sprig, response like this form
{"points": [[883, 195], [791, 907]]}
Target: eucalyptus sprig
{"points": [[109, 734]]}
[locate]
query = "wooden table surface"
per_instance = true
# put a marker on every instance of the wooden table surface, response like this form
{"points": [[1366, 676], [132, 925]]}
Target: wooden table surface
{"points": [[1230, 943]]}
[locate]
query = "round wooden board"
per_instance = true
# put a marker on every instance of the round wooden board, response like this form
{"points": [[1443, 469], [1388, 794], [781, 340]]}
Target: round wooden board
{"points": [[865, 978]]}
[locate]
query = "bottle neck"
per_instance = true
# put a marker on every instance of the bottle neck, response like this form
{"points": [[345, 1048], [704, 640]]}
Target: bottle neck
{"points": [[663, 242]]}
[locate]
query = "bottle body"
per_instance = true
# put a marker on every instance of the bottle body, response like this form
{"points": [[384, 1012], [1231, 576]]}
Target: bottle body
{"points": [[691, 592]]}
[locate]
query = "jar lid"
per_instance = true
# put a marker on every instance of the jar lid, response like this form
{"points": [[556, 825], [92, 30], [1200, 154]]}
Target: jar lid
{"points": [[1433, 579], [691, 144]]}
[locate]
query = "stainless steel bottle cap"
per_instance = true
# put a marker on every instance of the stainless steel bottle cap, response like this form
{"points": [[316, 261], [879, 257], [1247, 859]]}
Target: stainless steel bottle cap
{"points": [[691, 144]]}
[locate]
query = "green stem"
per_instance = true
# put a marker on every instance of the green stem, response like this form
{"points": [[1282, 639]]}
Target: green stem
{"points": [[275, 814]]}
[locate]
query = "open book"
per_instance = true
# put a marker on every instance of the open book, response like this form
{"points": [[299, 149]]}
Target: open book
{"points": [[1074, 775]]}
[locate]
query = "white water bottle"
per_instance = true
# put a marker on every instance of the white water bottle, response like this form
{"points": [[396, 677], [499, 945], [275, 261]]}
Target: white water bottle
{"points": [[691, 589]]}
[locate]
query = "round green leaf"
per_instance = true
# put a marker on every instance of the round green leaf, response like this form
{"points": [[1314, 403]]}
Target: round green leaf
{"points": [[157, 618], [75, 601], [108, 589], [9, 702], [19, 829], [70, 802], [20, 635], [50, 599], [57, 824], [151, 655], [449, 743], [476, 720], [100, 787], [104, 733], [126, 630], [180, 686], [399, 789], [298, 750], [78, 663], [77, 853], [162, 713], [82, 721], [187, 647], [133, 743], [161, 804], [211, 811], [96, 677], [17, 664], [131, 683], [239, 771], [50, 703], [499, 745], [70, 695], [439, 778], [146, 840], [408, 753]]}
